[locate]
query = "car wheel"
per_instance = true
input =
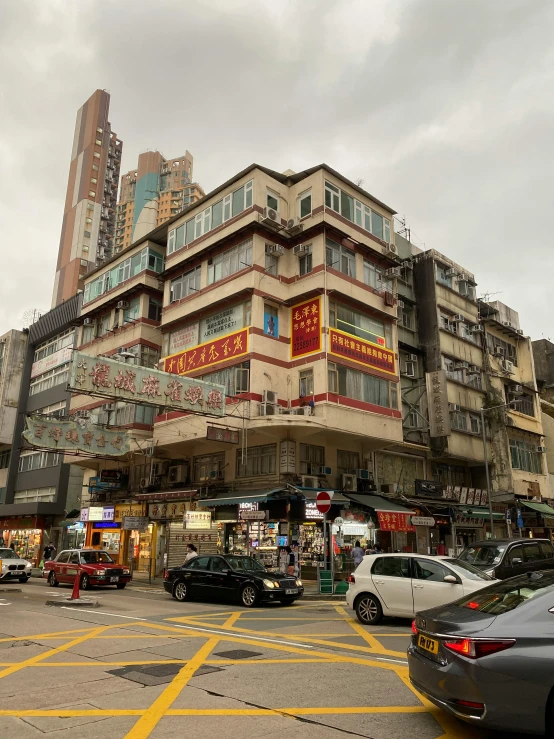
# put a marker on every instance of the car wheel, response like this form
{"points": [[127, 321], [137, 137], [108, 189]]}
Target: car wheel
{"points": [[120, 585], [368, 610], [248, 596], [85, 582], [52, 579], [287, 601], [181, 591], [549, 717], [23, 580]]}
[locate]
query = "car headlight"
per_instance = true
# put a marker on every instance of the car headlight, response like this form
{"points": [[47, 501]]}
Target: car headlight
{"points": [[126, 572], [269, 584], [299, 583], [100, 572]]}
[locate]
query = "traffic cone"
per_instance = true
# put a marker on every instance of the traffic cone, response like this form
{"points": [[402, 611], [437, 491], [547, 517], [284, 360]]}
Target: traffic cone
{"points": [[75, 593]]}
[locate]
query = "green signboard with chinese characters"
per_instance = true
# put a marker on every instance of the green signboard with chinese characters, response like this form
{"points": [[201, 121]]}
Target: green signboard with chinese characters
{"points": [[115, 380], [80, 435]]}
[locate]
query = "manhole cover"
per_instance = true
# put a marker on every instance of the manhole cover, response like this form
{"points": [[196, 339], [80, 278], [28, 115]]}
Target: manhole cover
{"points": [[238, 654], [150, 675]]}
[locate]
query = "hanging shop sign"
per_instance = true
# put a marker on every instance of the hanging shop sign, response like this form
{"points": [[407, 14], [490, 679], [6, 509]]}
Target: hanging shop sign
{"points": [[165, 511], [391, 521], [362, 352], [106, 525], [53, 433], [437, 400], [305, 321], [208, 354], [254, 515], [54, 360], [95, 513], [84, 514], [422, 521], [248, 507], [227, 436], [197, 520], [114, 477], [135, 523], [111, 379], [287, 464], [312, 512], [428, 489], [128, 509], [468, 522]]}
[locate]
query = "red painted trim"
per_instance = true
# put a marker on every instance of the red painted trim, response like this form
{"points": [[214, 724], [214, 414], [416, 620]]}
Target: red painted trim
{"points": [[319, 209], [366, 371], [360, 405]]}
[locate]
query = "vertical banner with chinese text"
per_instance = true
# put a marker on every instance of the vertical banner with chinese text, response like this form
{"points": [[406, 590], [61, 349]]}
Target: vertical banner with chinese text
{"points": [[305, 333]]}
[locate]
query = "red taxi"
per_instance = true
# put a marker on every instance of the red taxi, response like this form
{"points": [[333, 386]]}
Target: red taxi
{"points": [[95, 567]]}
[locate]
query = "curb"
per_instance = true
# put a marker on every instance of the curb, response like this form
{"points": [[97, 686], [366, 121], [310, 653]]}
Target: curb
{"points": [[320, 596], [76, 603]]}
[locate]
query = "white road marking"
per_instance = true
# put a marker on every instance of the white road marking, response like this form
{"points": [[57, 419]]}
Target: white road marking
{"points": [[102, 613], [146, 590], [245, 636], [400, 661]]}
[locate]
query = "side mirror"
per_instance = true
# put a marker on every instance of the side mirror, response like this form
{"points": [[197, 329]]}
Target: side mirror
{"points": [[451, 579], [517, 561]]}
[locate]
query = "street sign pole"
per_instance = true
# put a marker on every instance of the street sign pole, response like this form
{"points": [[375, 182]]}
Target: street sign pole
{"points": [[325, 541]]}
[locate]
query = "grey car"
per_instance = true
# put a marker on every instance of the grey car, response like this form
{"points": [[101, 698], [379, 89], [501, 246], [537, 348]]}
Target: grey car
{"points": [[488, 658], [12, 567]]}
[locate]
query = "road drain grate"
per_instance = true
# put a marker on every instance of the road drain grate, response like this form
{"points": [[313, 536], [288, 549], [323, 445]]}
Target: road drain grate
{"points": [[238, 654], [157, 674]]}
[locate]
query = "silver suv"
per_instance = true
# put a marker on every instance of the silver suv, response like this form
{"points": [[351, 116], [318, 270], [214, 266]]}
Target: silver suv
{"points": [[13, 568]]}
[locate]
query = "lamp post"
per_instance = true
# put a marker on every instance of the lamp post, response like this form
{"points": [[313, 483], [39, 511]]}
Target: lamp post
{"points": [[489, 492]]}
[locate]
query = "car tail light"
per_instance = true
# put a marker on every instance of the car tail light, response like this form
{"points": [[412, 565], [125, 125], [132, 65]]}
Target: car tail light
{"points": [[414, 627], [476, 648], [351, 578], [166, 574], [469, 704]]}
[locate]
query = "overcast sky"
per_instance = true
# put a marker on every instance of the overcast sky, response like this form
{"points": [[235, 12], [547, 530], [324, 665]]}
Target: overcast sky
{"points": [[444, 108]]}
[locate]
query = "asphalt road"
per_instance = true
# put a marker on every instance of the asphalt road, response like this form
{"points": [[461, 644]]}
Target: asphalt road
{"points": [[142, 665]]}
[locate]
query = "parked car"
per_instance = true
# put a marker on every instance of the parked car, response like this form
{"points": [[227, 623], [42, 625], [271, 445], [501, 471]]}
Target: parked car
{"points": [[402, 584], [502, 558], [230, 577], [13, 567], [487, 658], [95, 567]]}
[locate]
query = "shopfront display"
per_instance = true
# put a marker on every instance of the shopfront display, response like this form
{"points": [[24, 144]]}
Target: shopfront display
{"points": [[26, 533]]}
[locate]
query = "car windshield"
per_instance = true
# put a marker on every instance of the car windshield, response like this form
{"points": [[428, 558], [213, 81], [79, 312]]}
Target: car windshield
{"points": [[483, 555], [8, 554], [92, 558], [466, 570], [507, 595], [245, 564]]}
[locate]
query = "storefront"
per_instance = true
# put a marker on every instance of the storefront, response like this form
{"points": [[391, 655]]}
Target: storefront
{"points": [[105, 530], [26, 533], [164, 509], [75, 535], [538, 519], [468, 525], [394, 531]]}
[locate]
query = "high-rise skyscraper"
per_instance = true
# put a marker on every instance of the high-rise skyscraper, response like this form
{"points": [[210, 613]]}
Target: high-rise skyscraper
{"points": [[90, 204], [156, 190]]}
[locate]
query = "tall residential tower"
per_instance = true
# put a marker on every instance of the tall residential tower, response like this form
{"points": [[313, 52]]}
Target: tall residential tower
{"points": [[89, 213]]}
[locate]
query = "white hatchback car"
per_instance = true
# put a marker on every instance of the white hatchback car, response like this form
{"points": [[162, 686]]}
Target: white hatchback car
{"points": [[403, 584]]}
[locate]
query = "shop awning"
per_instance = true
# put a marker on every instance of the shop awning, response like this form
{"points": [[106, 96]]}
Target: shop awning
{"points": [[259, 496], [543, 508], [378, 503], [311, 494], [480, 512]]}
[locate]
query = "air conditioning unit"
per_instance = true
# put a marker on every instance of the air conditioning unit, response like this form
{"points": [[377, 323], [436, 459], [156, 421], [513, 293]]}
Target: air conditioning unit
{"points": [[541, 449], [460, 365], [122, 304], [143, 482], [462, 277], [473, 369], [458, 318], [270, 396], [362, 474], [293, 224], [454, 407], [309, 481], [509, 324], [269, 409], [349, 482], [177, 473], [391, 249], [516, 390], [393, 272], [477, 329], [88, 322], [300, 249], [412, 357], [519, 331], [450, 272], [271, 216], [275, 250], [325, 471], [499, 351], [400, 303], [108, 407], [304, 410], [508, 366]]}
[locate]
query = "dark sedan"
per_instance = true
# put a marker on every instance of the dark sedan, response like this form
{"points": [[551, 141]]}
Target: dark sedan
{"points": [[488, 658], [231, 577]]}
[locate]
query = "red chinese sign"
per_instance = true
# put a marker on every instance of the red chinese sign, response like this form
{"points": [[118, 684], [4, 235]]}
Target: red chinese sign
{"points": [[391, 521], [205, 355], [305, 334], [360, 351]]}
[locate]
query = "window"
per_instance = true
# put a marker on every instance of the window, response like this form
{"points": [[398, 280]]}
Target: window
{"points": [[209, 467], [132, 313], [5, 459], [391, 567], [515, 553], [94, 181], [92, 194], [96, 155], [347, 462], [458, 420], [412, 419], [46, 348], [56, 376], [272, 200], [185, 285], [547, 550], [425, 569], [305, 263], [234, 379], [230, 261], [198, 563], [145, 259], [95, 167], [340, 258], [521, 403], [475, 423], [37, 495], [367, 388], [37, 461], [98, 142], [525, 456], [407, 318], [332, 197], [373, 275], [332, 377], [260, 460], [56, 410], [271, 264], [305, 204], [103, 324], [88, 334], [355, 211], [442, 275], [358, 324], [154, 310], [531, 552], [311, 459], [306, 381]]}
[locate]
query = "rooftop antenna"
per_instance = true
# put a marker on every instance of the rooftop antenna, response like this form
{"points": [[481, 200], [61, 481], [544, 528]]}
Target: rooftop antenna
{"points": [[31, 316]]}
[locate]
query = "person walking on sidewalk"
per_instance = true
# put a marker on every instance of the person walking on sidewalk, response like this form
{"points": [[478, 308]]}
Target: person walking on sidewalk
{"points": [[357, 554], [191, 553], [290, 561]]}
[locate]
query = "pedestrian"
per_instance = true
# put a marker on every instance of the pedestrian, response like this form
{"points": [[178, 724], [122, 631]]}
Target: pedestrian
{"points": [[357, 554], [378, 549], [191, 553], [49, 552], [12, 547], [290, 561], [441, 549]]}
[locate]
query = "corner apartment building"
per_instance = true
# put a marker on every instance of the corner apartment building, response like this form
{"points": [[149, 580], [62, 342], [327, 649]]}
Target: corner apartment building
{"points": [[13, 346], [155, 191], [88, 225], [41, 488]]}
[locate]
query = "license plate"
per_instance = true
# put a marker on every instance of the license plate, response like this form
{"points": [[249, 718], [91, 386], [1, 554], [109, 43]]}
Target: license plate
{"points": [[291, 592], [114, 579], [430, 645]]}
